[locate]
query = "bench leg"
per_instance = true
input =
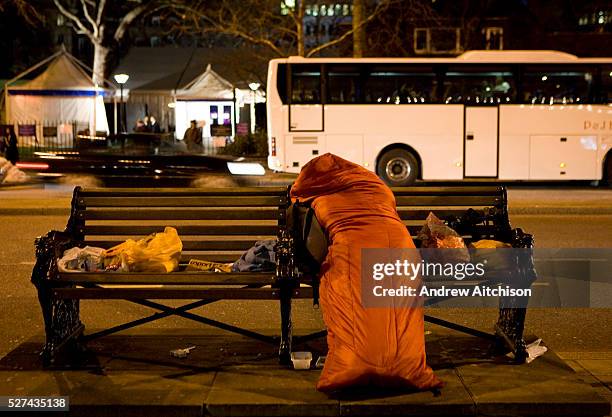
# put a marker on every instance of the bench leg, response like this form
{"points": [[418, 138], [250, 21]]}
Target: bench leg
{"points": [[284, 352], [511, 323], [63, 326], [509, 331]]}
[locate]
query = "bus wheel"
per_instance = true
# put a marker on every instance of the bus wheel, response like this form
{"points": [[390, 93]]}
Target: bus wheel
{"points": [[607, 174], [398, 168]]}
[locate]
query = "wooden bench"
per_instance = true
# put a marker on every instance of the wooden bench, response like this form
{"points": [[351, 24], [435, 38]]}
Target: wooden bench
{"points": [[219, 225]]}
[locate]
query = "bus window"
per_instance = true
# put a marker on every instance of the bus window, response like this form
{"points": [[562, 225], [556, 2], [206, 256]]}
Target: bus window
{"points": [[305, 84], [557, 85], [281, 82], [478, 85], [343, 86], [605, 93], [399, 84]]}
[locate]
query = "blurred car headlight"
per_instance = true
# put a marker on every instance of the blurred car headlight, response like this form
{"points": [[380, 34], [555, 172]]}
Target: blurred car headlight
{"points": [[245, 168]]}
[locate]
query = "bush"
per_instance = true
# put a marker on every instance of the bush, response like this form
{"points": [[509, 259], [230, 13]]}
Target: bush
{"points": [[253, 144]]}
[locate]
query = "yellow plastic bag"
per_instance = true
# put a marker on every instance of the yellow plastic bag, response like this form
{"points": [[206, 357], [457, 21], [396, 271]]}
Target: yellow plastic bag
{"points": [[158, 252], [489, 244]]}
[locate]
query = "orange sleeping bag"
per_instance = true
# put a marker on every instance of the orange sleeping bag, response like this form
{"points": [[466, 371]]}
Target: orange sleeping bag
{"points": [[378, 346]]}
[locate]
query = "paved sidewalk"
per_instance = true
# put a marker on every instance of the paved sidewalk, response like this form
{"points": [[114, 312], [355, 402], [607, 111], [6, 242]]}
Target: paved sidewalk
{"points": [[229, 375]]}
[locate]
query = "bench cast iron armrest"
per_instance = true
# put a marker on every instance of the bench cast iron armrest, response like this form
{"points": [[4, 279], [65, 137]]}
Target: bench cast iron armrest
{"points": [[61, 316]]}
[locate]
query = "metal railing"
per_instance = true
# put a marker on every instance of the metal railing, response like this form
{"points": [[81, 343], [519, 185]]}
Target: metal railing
{"points": [[66, 136], [47, 136]]}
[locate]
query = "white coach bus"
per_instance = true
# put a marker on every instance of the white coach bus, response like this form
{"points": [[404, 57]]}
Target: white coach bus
{"points": [[499, 115]]}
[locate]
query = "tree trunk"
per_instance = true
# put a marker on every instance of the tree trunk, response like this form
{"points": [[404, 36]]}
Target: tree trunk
{"points": [[301, 42], [100, 63], [358, 28]]}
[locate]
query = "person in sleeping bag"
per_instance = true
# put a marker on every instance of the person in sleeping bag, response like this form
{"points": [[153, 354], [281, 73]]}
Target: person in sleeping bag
{"points": [[382, 346]]}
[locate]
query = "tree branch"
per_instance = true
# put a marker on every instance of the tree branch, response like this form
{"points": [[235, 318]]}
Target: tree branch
{"points": [[127, 21], [94, 27], [101, 7], [248, 37], [81, 28], [379, 8], [25, 10]]}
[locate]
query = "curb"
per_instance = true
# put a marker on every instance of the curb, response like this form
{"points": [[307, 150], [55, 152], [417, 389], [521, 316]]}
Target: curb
{"points": [[561, 210], [35, 211]]}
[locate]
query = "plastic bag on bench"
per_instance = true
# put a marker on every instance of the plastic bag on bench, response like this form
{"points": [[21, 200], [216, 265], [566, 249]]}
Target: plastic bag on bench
{"points": [[500, 264], [435, 234], [87, 259], [158, 252]]}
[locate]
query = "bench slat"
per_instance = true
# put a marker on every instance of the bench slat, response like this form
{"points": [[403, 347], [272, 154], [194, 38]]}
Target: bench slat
{"points": [[174, 292], [443, 191], [192, 245], [484, 230], [173, 192], [183, 230], [176, 214], [406, 213], [181, 201], [433, 201], [177, 278], [213, 257]]}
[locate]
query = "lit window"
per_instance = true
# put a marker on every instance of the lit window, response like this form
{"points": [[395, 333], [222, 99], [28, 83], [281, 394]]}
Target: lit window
{"points": [[345, 9], [494, 38], [315, 10], [286, 6], [308, 10], [323, 10]]}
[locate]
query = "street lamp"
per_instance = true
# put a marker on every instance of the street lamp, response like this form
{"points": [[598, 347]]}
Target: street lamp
{"points": [[121, 79], [254, 87]]}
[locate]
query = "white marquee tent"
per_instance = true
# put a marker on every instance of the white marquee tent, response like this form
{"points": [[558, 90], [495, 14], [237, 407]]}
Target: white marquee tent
{"points": [[212, 99], [62, 94]]}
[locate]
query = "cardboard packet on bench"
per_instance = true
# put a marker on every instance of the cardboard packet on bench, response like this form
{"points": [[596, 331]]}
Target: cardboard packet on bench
{"points": [[208, 266]]}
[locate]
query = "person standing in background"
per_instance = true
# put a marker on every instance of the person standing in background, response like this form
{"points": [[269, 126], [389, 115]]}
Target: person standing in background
{"points": [[153, 125], [147, 124], [3, 143], [12, 152], [193, 137], [140, 126]]}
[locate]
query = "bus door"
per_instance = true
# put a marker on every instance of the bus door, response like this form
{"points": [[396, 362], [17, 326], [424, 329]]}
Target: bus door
{"points": [[305, 139], [481, 141], [305, 98]]}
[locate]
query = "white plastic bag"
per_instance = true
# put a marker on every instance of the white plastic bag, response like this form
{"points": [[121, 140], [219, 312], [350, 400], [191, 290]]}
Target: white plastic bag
{"points": [[87, 259], [535, 349]]}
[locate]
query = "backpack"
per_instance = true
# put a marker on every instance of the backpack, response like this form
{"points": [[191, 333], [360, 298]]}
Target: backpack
{"points": [[310, 238]]}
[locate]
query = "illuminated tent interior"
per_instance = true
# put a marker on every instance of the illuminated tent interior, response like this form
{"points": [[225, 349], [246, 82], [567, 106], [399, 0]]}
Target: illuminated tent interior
{"points": [[63, 96]]}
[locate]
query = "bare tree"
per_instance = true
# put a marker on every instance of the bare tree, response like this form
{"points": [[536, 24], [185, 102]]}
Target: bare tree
{"points": [[92, 19], [280, 28]]}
